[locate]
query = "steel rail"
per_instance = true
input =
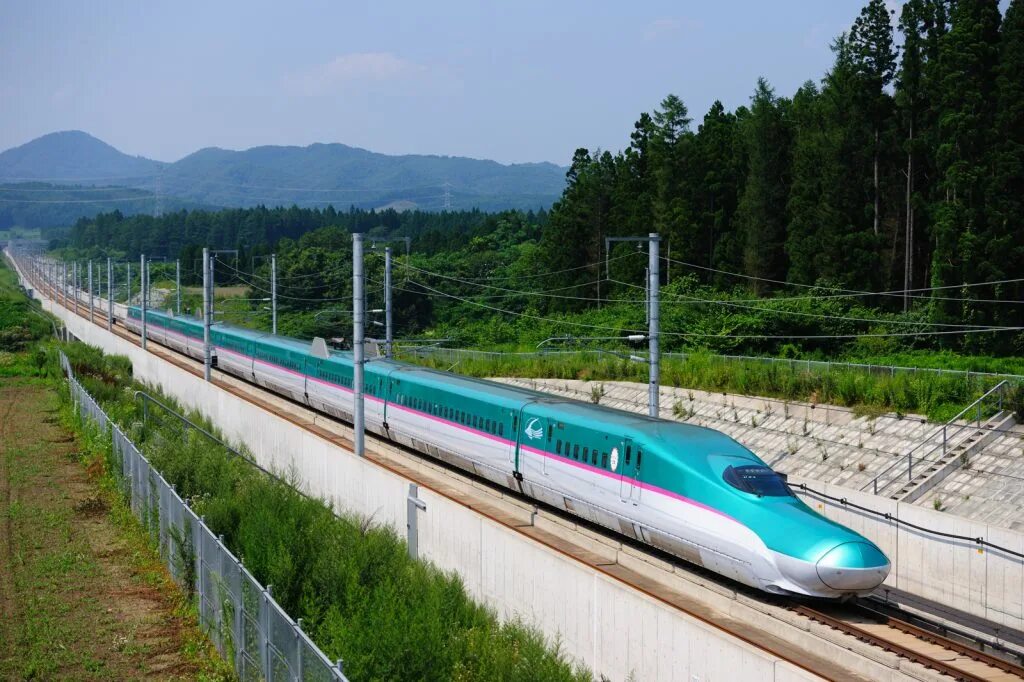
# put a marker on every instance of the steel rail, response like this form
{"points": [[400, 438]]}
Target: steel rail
{"points": [[909, 652]]}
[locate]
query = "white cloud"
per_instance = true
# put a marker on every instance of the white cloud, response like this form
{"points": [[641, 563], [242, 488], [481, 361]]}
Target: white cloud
{"points": [[346, 69], [659, 28]]}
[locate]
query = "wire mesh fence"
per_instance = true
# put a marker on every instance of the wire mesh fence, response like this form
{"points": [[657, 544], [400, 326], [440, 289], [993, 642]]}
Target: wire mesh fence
{"points": [[240, 616]]}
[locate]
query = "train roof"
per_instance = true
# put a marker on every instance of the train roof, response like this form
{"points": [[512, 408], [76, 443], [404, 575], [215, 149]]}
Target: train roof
{"points": [[569, 409]]}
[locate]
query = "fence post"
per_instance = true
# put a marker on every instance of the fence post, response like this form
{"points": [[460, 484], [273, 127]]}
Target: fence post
{"points": [[199, 569], [265, 627], [240, 621], [298, 649], [413, 503]]}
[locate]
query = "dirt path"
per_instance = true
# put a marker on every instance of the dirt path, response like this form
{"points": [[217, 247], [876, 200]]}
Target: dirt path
{"points": [[81, 596]]}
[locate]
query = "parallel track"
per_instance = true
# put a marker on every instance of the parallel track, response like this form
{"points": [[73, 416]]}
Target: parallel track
{"points": [[951, 658], [934, 651]]}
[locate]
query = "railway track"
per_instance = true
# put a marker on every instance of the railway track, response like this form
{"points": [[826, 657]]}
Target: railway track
{"points": [[944, 655], [928, 649]]}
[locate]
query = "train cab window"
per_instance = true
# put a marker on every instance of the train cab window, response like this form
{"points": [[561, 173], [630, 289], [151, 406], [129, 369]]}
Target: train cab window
{"points": [[757, 480], [558, 448], [604, 460]]}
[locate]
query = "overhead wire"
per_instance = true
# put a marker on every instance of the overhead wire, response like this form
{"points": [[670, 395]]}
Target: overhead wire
{"points": [[856, 292], [842, 318], [690, 300], [705, 335]]}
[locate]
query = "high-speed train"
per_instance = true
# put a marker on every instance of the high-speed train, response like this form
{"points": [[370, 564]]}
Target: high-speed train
{"points": [[691, 491]]}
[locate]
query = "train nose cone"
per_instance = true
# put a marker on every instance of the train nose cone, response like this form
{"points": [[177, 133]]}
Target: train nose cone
{"points": [[853, 567]]}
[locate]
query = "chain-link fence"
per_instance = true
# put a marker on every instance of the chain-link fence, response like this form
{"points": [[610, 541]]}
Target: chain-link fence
{"points": [[239, 615]]}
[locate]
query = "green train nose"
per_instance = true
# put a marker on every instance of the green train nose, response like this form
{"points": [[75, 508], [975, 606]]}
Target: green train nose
{"points": [[853, 566]]}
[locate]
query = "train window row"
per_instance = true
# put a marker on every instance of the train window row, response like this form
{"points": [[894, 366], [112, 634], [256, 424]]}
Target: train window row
{"points": [[469, 419], [336, 378], [591, 456]]}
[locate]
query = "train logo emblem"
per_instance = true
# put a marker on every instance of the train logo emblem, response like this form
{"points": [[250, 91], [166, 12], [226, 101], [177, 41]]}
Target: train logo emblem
{"points": [[615, 459], [532, 431]]}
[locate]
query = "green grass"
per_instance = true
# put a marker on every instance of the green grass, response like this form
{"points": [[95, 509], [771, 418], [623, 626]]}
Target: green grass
{"points": [[937, 396], [360, 596], [22, 324]]}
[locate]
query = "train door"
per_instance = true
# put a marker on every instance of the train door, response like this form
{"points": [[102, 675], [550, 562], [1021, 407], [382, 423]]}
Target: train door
{"points": [[626, 459], [533, 431]]}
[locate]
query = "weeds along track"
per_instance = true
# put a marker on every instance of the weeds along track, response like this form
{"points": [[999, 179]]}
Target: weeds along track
{"points": [[790, 634], [911, 642]]}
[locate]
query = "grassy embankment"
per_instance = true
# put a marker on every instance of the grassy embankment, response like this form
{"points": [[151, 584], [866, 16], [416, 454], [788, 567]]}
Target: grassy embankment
{"points": [[360, 597], [938, 396], [84, 595]]}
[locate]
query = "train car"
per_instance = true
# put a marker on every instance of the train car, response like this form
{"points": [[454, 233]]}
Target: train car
{"points": [[691, 491]]}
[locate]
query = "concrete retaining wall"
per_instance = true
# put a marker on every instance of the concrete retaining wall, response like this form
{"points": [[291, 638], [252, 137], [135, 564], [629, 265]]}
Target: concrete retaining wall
{"points": [[960, 574], [613, 629]]}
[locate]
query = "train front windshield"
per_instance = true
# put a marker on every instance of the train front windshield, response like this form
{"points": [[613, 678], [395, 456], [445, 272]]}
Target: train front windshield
{"points": [[756, 480]]}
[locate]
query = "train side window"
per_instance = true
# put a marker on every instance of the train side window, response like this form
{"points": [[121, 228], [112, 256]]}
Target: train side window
{"points": [[501, 429], [558, 448], [487, 425], [586, 451], [549, 432], [629, 451], [639, 453], [576, 452], [593, 456], [604, 460], [476, 421]]}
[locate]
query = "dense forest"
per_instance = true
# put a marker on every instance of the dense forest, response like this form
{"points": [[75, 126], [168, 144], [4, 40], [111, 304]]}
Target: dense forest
{"points": [[903, 169]]}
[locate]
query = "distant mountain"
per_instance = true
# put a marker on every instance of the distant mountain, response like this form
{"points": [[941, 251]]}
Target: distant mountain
{"points": [[42, 205], [73, 156], [312, 176]]}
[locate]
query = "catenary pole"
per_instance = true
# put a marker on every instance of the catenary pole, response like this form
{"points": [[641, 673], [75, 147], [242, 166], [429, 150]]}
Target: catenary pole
{"points": [[206, 314], [142, 295], [177, 285], [388, 330], [273, 293], [74, 283], [110, 295], [358, 307], [91, 315], [654, 390]]}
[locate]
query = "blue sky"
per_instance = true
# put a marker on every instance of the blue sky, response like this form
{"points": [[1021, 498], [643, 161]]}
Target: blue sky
{"points": [[514, 82]]}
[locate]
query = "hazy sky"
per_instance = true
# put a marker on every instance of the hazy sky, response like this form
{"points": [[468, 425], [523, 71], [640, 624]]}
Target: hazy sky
{"points": [[520, 81]]}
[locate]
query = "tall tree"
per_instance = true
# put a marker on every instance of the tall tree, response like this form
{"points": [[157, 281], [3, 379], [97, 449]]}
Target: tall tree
{"points": [[968, 55], [762, 210], [872, 47], [1004, 244], [717, 175], [671, 148]]}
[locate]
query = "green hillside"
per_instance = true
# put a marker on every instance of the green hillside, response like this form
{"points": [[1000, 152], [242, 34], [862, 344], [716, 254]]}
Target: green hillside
{"points": [[316, 176]]}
